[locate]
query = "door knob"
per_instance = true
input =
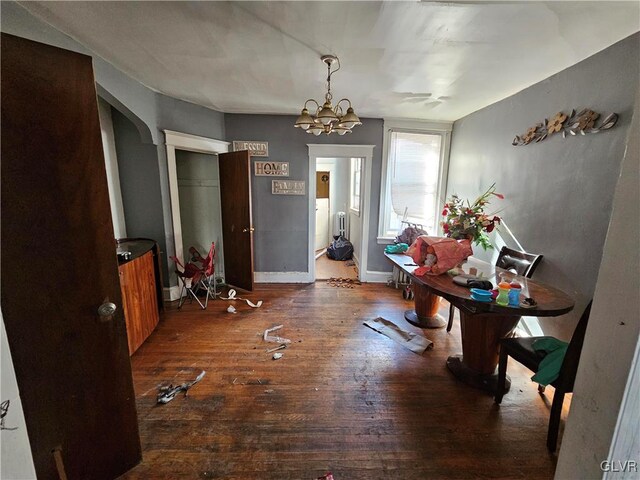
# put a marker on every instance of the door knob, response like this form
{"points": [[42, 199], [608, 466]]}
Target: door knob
{"points": [[106, 311], [245, 230]]}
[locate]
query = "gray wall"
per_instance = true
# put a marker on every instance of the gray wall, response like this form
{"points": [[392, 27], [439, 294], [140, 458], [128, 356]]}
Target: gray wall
{"points": [[139, 181], [610, 342], [281, 221], [558, 192]]}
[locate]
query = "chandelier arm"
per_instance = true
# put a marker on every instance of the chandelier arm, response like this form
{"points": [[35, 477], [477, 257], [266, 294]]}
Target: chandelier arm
{"points": [[344, 100], [312, 100]]}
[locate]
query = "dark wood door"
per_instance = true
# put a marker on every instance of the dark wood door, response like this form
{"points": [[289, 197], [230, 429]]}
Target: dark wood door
{"points": [[237, 220], [59, 266]]}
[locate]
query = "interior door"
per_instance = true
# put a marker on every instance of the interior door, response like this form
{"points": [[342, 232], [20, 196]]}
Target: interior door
{"points": [[237, 220], [59, 266]]}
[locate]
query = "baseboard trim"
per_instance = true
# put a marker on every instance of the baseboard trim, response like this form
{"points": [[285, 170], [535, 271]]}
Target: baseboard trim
{"points": [[171, 293], [282, 277], [377, 277]]}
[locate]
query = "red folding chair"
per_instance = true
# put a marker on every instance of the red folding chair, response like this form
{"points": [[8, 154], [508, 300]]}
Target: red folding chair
{"points": [[191, 277], [207, 268]]}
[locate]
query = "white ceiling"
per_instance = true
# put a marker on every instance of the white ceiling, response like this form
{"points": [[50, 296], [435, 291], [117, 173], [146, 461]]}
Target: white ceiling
{"points": [[434, 60]]}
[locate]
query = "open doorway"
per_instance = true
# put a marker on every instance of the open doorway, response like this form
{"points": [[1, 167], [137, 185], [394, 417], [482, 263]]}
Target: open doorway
{"points": [[192, 164], [348, 168], [333, 182], [199, 194]]}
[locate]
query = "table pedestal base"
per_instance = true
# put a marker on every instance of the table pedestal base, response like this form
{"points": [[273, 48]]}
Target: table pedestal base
{"points": [[426, 312], [435, 321], [486, 382]]}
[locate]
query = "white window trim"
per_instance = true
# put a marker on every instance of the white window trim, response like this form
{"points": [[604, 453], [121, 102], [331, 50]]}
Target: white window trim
{"points": [[411, 126], [351, 173]]}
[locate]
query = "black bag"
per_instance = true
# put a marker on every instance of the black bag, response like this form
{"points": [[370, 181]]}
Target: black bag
{"points": [[340, 248]]}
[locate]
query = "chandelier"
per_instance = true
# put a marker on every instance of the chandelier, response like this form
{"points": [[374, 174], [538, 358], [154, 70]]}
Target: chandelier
{"points": [[328, 119]]}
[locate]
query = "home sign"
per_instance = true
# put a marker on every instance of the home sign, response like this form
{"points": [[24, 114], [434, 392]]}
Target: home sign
{"points": [[271, 169], [256, 149]]}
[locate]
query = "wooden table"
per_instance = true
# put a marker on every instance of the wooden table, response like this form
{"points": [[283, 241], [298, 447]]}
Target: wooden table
{"points": [[482, 324]]}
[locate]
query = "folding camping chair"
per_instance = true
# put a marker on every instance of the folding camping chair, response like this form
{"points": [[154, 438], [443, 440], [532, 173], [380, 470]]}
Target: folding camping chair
{"points": [[191, 278], [207, 269]]}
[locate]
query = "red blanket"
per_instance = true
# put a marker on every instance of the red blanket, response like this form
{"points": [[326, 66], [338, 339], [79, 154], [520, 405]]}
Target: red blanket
{"points": [[448, 252]]}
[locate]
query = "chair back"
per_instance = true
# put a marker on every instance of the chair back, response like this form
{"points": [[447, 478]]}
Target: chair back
{"points": [[571, 360], [522, 263]]}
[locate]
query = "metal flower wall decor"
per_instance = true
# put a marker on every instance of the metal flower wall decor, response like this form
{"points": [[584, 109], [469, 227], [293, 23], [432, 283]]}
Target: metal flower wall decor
{"points": [[582, 123]]}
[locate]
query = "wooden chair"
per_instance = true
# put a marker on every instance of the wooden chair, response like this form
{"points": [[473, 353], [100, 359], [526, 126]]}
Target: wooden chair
{"points": [[521, 263], [521, 350]]}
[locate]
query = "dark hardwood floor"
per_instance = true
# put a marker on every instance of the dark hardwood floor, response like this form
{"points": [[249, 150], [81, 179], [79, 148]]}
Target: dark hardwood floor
{"points": [[343, 398]]}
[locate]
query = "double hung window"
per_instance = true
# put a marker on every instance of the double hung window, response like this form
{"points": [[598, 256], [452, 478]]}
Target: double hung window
{"points": [[414, 176]]}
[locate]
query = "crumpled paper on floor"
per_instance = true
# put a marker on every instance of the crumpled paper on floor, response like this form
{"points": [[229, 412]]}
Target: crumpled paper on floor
{"points": [[414, 342]]}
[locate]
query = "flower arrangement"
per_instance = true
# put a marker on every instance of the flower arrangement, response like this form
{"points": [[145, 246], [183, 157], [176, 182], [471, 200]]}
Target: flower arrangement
{"points": [[469, 220]]}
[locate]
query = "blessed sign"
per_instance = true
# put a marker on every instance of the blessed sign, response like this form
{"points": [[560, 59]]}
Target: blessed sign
{"points": [[271, 169], [287, 187], [256, 149]]}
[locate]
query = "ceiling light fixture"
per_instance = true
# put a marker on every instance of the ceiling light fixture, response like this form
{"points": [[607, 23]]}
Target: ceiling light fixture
{"points": [[328, 119]]}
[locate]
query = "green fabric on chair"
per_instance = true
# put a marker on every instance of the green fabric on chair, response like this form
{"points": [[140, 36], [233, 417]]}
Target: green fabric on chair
{"points": [[550, 365]]}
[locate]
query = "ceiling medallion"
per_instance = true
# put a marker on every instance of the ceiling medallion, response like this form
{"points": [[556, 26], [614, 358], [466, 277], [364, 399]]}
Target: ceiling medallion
{"points": [[328, 119]]}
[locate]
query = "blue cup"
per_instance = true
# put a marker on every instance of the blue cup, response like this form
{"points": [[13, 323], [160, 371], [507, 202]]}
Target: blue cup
{"points": [[514, 296]]}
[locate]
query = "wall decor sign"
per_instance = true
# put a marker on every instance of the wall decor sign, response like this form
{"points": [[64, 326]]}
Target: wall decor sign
{"points": [[271, 169], [256, 149], [287, 187], [582, 123]]}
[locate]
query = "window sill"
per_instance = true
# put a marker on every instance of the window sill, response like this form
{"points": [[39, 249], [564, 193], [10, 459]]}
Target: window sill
{"points": [[354, 212], [385, 240]]}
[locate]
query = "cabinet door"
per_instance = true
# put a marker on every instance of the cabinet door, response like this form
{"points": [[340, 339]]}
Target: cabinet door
{"points": [[138, 284], [59, 266]]}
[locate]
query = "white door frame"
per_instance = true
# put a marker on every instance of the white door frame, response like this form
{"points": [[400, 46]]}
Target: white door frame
{"points": [[191, 143], [341, 151]]}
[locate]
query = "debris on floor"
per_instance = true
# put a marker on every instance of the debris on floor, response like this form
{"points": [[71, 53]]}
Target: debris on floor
{"points": [[232, 296], [343, 282], [414, 342], [283, 346], [327, 476], [273, 338], [278, 356], [231, 309], [168, 393]]}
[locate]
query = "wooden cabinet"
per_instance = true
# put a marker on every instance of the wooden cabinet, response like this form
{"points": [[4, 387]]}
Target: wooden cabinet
{"points": [[139, 284]]}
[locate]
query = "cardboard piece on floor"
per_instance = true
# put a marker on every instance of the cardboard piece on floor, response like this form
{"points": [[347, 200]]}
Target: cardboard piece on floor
{"points": [[414, 342]]}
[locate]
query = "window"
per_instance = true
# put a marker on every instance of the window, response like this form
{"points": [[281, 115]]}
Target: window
{"points": [[413, 179], [354, 189]]}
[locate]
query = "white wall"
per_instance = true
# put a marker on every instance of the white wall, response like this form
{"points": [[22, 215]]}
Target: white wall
{"points": [[612, 334], [111, 166], [338, 169], [16, 462]]}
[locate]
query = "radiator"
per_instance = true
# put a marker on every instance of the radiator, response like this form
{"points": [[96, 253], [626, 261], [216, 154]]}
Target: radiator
{"points": [[340, 227]]}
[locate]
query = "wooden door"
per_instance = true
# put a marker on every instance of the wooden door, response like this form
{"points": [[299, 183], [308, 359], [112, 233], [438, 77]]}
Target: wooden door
{"points": [[237, 220], [322, 184], [59, 266]]}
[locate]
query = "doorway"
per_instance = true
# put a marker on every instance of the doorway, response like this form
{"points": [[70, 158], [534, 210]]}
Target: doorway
{"points": [[182, 146], [199, 194], [332, 216], [348, 182]]}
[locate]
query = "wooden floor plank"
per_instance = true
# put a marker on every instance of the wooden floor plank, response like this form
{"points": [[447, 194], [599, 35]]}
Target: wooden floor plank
{"points": [[343, 398]]}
